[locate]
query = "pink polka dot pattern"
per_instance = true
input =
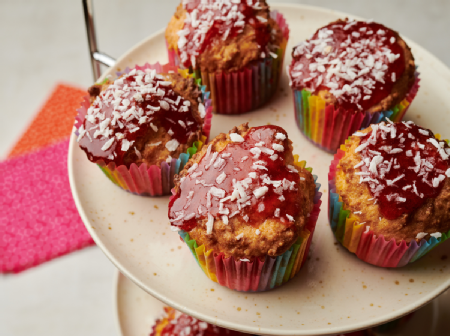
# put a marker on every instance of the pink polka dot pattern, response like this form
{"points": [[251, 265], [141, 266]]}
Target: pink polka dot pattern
{"points": [[38, 217]]}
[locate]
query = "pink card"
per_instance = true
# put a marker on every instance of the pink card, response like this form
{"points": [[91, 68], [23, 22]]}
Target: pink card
{"points": [[38, 217]]}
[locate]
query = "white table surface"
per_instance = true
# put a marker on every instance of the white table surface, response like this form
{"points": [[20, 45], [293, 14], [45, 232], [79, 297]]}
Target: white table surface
{"points": [[44, 42]]}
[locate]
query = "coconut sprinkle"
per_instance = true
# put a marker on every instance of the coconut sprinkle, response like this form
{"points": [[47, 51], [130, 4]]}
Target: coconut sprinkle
{"points": [[236, 137], [421, 235]]}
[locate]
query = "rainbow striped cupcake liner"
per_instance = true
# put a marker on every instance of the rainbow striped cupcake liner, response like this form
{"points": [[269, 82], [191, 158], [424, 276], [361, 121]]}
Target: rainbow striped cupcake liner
{"points": [[360, 240], [328, 127], [152, 180], [258, 275], [247, 89]]}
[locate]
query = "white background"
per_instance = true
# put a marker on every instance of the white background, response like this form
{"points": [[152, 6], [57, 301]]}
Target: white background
{"points": [[43, 43]]}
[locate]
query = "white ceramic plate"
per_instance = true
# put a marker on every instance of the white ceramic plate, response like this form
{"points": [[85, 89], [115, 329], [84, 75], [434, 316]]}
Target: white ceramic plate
{"points": [[335, 292], [136, 312]]}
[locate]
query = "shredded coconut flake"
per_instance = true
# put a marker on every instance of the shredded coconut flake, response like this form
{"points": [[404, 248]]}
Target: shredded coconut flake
{"points": [[421, 235], [172, 145], [291, 219], [260, 191], [108, 144], [201, 110], [209, 224], [277, 147], [236, 137], [221, 178]]}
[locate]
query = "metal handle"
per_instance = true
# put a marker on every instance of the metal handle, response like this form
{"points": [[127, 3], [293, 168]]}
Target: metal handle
{"points": [[97, 57]]}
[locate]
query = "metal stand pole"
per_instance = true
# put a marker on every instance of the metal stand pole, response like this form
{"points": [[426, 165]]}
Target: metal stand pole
{"points": [[97, 57]]}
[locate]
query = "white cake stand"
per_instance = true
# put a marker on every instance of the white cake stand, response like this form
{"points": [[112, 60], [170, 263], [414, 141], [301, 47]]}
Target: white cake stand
{"points": [[136, 312], [334, 293]]}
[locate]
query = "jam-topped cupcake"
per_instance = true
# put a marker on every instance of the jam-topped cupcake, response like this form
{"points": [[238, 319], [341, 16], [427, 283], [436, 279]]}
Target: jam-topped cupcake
{"points": [[348, 75], [138, 127], [245, 203], [174, 323], [235, 47], [390, 193]]}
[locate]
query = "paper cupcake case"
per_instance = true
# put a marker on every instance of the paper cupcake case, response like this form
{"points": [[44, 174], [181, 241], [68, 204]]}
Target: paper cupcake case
{"points": [[257, 275], [152, 180], [360, 240], [328, 127], [244, 90]]}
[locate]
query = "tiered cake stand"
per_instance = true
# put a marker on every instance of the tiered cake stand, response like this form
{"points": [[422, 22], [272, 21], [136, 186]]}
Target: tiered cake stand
{"points": [[334, 293]]}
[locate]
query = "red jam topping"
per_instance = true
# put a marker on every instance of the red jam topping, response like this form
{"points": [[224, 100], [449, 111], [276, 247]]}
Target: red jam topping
{"points": [[212, 20], [128, 109], [358, 62], [179, 324], [248, 178], [403, 164]]}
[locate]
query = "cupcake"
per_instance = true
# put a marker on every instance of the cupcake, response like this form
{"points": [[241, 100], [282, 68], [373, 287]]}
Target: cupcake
{"points": [[175, 323], [235, 47], [348, 75], [247, 208], [142, 127], [390, 193]]}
